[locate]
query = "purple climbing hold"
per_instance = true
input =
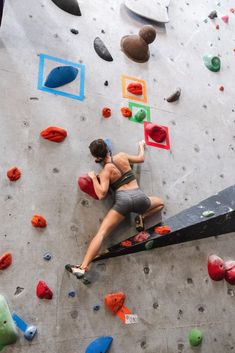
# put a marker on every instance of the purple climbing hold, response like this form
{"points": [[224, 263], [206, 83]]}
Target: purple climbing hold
{"points": [[60, 76], [70, 6]]}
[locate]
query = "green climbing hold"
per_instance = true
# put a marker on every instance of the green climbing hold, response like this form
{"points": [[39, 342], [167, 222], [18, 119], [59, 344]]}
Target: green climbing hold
{"points": [[208, 213], [140, 115], [149, 244], [195, 337], [8, 331], [212, 62]]}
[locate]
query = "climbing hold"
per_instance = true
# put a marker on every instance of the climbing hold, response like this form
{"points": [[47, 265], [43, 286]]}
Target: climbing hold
{"points": [[208, 213], [212, 62], [232, 10], [126, 112], [216, 268], [142, 236], [102, 50], [38, 221], [157, 133], [29, 331], [136, 47], [225, 18], [135, 88], [106, 112], [86, 185], [114, 301], [174, 96], [72, 293], [96, 307], [43, 291], [74, 31], [109, 144], [14, 174], [157, 11], [70, 6], [47, 256], [140, 115], [149, 245], [217, 26], [54, 133], [5, 260], [221, 88], [195, 337], [230, 272], [100, 345], [213, 15], [126, 243], [60, 76], [106, 83], [162, 230], [8, 331]]}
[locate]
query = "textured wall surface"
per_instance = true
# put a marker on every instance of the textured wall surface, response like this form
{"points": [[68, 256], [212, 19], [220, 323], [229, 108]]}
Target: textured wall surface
{"points": [[199, 164]]}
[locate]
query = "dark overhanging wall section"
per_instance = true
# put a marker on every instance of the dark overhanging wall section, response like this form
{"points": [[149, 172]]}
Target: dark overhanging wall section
{"points": [[188, 225], [1, 10]]}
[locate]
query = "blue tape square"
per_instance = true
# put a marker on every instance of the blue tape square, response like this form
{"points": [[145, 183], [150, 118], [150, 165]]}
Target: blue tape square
{"points": [[42, 58]]}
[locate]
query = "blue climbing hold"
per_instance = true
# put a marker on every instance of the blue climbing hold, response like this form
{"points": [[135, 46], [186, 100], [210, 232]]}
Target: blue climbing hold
{"points": [[100, 345], [109, 144], [72, 293], [29, 331], [60, 76], [47, 256]]}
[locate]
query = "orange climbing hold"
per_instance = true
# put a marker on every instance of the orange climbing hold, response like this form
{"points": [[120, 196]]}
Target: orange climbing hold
{"points": [[162, 230], [54, 133], [135, 88], [5, 260], [38, 221], [126, 112], [106, 112], [114, 301], [14, 174]]}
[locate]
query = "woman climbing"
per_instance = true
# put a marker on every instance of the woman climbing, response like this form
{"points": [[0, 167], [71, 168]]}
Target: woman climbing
{"points": [[118, 175]]}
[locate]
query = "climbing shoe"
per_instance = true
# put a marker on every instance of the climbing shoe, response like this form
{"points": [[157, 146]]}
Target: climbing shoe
{"points": [[76, 270], [139, 223]]}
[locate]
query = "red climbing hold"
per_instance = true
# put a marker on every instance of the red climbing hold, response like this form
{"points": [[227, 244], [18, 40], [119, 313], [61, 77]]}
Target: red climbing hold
{"points": [[126, 112], [14, 174], [126, 243], [114, 301], [217, 26], [142, 236], [157, 133], [106, 112], [38, 221], [216, 268], [54, 133], [86, 185], [221, 88], [162, 230], [135, 88], [5, 260], [232, 10], [43, 291], [225, 18], [230, 272]]}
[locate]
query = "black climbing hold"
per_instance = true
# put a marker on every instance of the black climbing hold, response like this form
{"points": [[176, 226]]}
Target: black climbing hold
{"points": [[146, 270], [213, 15], [175, 96], [96, 307], [74, 31], [103, 31], [70, 6], [1, 10], [101, 50], [106, 83], [18, 290]]}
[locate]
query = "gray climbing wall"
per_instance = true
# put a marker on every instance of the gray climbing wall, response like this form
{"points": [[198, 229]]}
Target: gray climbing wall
{"points": [[176, 294]]}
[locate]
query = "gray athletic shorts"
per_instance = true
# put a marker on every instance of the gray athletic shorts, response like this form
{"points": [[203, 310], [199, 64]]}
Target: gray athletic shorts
{"points": [[134, 200]]}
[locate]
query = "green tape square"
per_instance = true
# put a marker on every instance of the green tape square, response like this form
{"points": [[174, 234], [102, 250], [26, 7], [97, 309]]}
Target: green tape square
{"points": [[134, 107]]}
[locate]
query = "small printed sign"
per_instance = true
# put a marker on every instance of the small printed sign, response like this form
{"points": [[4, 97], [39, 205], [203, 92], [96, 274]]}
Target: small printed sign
{"points": [[131, 319]]}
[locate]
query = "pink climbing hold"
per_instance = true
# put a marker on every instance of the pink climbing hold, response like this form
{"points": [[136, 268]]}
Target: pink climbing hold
{"points": [[216, 268], [156, 132], [86, 185], [43, 291], [230, 271], [225, 18]]}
